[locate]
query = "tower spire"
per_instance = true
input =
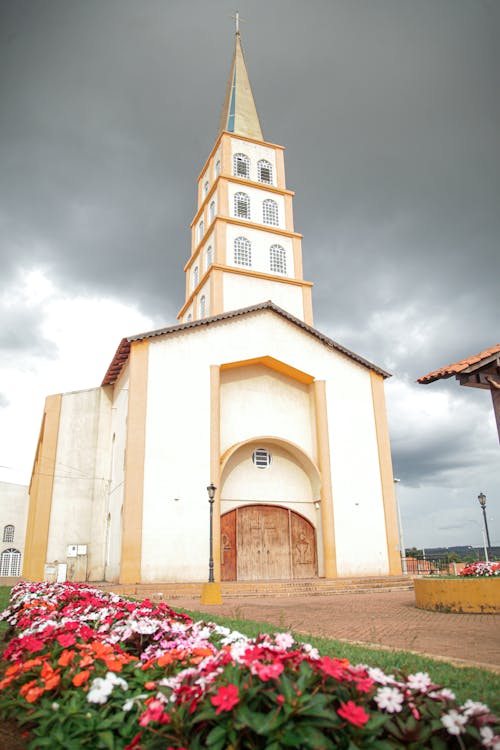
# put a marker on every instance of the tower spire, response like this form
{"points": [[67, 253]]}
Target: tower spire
{"points": [[239, 113]]}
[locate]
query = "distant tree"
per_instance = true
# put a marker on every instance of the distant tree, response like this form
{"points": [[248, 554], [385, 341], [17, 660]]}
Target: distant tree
{"points": [[454, 557]]}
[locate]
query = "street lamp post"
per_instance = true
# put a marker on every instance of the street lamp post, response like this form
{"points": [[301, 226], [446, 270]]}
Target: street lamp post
{"points": [[482, 502], [211, 496]]}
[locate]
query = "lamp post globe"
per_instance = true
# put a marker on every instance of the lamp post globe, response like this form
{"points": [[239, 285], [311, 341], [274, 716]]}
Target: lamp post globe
{"points": [[482, 502]]}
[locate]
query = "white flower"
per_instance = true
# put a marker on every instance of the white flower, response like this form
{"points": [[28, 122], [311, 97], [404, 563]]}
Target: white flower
{"points": [[118, 681], [284, 640], [55, 706], [454, 722], [474, 708], [389, 699], [377, 675], [445, 694], [99, 691], [489, 739], [419, 681]]}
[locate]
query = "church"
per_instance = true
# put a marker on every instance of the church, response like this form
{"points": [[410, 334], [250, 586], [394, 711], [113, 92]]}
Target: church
{"points": [[243, 392]]}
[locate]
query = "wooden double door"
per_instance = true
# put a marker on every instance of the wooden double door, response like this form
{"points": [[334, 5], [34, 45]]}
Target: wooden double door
{"points": [[260, 542]]}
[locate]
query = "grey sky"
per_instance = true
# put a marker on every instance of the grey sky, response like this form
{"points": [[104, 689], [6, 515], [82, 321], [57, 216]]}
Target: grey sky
{"points": [[390, 115]]}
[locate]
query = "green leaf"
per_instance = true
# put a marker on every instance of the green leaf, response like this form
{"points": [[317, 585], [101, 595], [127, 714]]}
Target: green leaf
{"points": [[107, 739], [217, 735]]}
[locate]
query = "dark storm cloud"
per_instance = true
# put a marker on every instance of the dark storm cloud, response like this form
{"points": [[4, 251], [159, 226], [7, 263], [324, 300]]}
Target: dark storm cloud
{"points": [[390, 115], [21, 334]]}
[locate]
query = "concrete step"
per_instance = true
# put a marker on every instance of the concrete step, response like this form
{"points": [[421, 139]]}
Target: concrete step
{"points": [[164, 591]]}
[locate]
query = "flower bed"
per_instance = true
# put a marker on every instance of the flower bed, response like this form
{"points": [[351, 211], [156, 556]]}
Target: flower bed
{"points": [[482, 569], [85, 668]]}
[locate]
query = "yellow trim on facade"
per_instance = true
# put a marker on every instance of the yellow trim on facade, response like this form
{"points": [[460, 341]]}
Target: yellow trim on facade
{"points": [[131, 552], [308, 305], [272, 364], [297, 258], [386, 475], [242, 272], [289, 213], [280, 167], [41, 489], [327, 513], [260, 227], [215, 475]]}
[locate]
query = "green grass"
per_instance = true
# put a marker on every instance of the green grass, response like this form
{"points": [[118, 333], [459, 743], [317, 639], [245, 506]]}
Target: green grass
{"points": [[466, 682]]}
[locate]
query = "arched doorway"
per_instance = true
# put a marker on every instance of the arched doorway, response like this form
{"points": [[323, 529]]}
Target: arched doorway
{"points": [[265, 542]]}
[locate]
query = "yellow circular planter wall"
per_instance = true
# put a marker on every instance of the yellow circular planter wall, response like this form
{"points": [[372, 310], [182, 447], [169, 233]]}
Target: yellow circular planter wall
{"points": [[480, 595]]}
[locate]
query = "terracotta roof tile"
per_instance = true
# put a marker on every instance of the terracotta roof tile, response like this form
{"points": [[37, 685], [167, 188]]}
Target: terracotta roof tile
{"points": [[123, 350], [456, 367]]}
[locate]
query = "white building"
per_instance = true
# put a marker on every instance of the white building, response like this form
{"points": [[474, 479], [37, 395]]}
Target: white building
{"points": [[243, 393], [13, 515]]}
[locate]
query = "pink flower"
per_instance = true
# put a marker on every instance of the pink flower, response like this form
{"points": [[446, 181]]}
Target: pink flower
{"points": [[267, 671], [226, 698], [353, 713], [154, 712]]}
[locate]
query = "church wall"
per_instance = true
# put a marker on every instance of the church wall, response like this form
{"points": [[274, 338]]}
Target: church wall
{"points": [[177, 460], [80, 481], [241, 291], [177, 465], [257, 401], [14, 501], [255, 152], [256, 199], [261, 242]]}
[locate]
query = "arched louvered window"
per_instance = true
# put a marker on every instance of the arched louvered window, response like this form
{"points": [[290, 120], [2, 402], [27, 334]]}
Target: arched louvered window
{"points": [[241, 165], [8, 533], [10, 562], [203, 307], [196, 277], [242, 205], [201, 229], [189, 318], [211, 211], [270, 212], [242, 252], [217, 168], [205, 188], [277, 259], [209, 256], [264, 171], [262, 458]]}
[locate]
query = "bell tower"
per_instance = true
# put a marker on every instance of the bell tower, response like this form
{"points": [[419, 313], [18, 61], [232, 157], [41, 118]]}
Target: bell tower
{"points": [[244, 248]]}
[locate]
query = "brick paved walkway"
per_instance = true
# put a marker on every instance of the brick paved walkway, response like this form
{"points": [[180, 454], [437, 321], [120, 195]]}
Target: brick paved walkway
{"points": [[388, 619]]}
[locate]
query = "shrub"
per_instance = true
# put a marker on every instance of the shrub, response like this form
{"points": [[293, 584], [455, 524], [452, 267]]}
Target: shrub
{"points": [[476, 569]]}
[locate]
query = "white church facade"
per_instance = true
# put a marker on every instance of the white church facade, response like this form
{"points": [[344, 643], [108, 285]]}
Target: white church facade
{"points": [[243, 392]]}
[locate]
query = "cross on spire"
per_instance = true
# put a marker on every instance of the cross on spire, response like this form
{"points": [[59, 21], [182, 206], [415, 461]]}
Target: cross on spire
{"points": [[237, 20]]}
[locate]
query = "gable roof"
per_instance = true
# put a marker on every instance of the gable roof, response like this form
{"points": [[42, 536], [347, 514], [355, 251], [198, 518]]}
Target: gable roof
{"points": [[122, 353], [461, 366]]}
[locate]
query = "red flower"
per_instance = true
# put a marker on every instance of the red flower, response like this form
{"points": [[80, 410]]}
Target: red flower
{"points": [[335, 668], [353, 713], [66, 639], [226, 698]]}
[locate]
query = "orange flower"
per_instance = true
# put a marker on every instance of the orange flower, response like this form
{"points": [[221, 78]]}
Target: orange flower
{"points": [[5, 682], [52, 681], [27, 686], [81, 677], [113, 664], [33, 694], [13, 670], [86, 660], [168, 658], [31, 663], [66, 657], [150, 685]]}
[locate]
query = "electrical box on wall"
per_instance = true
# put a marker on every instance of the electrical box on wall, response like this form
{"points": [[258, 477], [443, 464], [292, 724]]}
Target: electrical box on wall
{"points": [[72, 550]]}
